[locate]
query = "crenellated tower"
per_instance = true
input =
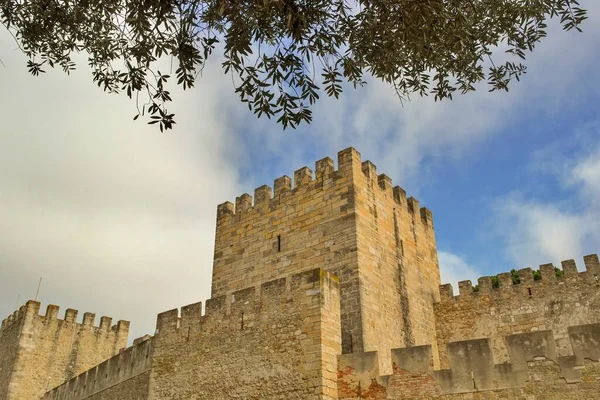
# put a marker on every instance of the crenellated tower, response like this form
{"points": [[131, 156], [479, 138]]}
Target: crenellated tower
{"points": [[352, 222], [39, 352]]}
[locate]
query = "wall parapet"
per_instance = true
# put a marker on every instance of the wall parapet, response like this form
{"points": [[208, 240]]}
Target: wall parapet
{"points": [[32, 309], [129, 363], [284, 188], [472, 363], [529, 279], [241, 308]]}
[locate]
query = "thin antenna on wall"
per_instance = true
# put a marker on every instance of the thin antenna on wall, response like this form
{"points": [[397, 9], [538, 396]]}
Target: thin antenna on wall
{"points": [[17, 303], [38, 289]]}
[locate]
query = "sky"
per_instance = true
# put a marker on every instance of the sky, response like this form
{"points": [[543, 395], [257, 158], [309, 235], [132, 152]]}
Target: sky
{"points": [[118, 218]]}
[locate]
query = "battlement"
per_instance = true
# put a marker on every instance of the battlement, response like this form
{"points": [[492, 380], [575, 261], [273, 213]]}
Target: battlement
{"points": [[349, 163], [240, 309], [528, 281], [32, 309], [472, 365], [131, 362]]}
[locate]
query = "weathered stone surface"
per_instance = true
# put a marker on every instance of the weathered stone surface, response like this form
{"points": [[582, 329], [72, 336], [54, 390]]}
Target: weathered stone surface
{"points": [[39, 352], [327, 288]]}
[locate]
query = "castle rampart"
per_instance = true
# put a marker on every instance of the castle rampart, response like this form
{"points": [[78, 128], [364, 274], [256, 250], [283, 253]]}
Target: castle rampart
{"points": [[44, 350], [124, 376], [326, 287], [351, 222], [534, 370], [278, 341], [550, 303]]}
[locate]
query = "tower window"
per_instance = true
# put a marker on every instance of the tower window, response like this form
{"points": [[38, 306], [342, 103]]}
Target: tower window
{"points": [[278, 243]]}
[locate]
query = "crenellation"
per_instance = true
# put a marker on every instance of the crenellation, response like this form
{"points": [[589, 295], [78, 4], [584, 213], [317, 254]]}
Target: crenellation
{"points": [[89, 319], [385, 183], [243, 203], [592, 264], [426, 217], [465, 288], [369, 169], [485, 284], [413, 205], [400, 195], [224, 209], [527, 281], [262, 195], [51, 312], [525, 276], [105, 323], [324, 168], [71, 315], [569, 267], [167, 320], [349, 160], [121, 327], [302, 177], [548, 272], [505, 280], [446, 292], [282, 185]]}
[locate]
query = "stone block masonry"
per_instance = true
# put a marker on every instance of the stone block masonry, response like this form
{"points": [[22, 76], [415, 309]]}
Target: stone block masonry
{"points": [[278, 342], [351, 222], [534, 371], [325, 287], [550, 303], [38, 352]]}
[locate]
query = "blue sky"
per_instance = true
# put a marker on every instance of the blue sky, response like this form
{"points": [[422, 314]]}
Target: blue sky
{"points": [[119, 219]]}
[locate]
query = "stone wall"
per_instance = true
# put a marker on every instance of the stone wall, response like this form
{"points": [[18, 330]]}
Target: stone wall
{"points": [[535, 371], [50, 351], [552, 303], [398, 266], [351, 222], [9, 345], [280, 341], [290, 230], [124, 376]]}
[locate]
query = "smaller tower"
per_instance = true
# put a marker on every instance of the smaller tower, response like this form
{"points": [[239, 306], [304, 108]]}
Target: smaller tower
{"points": [[39, 352]]}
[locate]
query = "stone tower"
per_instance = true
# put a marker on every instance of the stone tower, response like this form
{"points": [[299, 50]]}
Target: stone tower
{"points": [[39, 352], [351, 222]]}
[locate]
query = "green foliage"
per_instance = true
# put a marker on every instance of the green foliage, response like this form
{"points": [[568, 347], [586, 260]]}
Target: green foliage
{"points": [[514, 275], [537, 275], [558, 272], [282, 54], [495, 282], [476, 288]]}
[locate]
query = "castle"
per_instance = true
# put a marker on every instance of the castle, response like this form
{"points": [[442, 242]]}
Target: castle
{"points": [[327, 289]]}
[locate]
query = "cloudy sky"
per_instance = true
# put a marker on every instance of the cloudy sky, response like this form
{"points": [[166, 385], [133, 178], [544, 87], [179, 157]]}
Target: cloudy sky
{"points": [[118, 218]]}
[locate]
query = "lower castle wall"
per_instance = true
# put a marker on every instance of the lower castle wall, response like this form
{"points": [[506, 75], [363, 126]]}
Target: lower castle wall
{"points": [[9, 345], [535, 371], [135, 388], [552, 303], [281, 343], [124, 376], [43, 351]]}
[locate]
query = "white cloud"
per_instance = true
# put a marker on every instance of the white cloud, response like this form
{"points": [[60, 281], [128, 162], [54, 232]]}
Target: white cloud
{"points": [[537, 231], [587, 174], [116, 217], [454, 268]]}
